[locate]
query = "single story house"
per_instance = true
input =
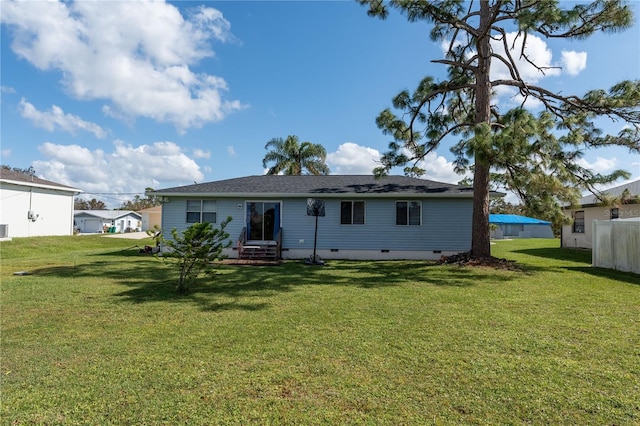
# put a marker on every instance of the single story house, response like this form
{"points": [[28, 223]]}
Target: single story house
{"points": [[151, 217], [33, 207], [579, 234], [516, 226], [357, 216], [107, 221]]}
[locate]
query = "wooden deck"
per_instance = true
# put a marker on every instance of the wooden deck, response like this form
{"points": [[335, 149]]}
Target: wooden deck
{"points": [[266, 250]]}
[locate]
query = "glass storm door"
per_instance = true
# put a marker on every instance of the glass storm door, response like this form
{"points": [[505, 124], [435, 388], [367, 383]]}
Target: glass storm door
{"points": [[263, 220]]}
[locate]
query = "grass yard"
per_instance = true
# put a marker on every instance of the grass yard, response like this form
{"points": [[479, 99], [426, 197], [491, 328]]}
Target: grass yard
{"points": [[97, 335]]}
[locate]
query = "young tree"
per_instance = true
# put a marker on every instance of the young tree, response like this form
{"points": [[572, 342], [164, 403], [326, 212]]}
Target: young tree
{"points": [[195, 250], [292, 157], [93, 204], [477, 35], [30, 171], [138, 203]]}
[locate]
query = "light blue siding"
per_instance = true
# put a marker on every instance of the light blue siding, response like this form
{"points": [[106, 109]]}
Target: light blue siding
{"points": [[446, 224], [174, 215]]}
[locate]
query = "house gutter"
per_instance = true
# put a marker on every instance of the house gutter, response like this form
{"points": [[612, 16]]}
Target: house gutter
{"points": [[258, 195]]}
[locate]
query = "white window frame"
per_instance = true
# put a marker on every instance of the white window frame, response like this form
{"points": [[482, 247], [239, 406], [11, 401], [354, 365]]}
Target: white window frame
{"points": [[203, 211]]}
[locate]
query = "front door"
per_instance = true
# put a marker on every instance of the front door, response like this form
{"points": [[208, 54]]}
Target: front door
{"points": [[263, 220]]}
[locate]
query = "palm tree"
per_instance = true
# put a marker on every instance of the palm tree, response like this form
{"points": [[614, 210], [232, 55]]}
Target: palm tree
{"points": [[291, 158]]}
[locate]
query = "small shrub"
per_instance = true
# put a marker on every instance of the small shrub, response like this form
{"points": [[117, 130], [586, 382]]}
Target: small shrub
{"points": [[195, 250]]}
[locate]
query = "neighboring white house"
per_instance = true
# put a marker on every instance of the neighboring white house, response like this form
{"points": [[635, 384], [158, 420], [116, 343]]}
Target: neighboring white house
{"points": [[579, 234], [151, 217], [33, 207], [107, 221]]}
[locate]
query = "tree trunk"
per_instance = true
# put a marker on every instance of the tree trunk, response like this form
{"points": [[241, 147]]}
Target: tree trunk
{"points": [[480, 234]]}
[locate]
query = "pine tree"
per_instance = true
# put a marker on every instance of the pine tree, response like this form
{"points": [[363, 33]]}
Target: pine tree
{"points": [[462, 104]]}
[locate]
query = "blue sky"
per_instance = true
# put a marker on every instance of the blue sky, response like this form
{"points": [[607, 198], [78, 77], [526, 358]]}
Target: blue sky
{"points": [[114, 97]]}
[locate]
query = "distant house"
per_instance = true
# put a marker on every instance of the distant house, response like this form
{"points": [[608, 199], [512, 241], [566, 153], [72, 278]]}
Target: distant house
{"points": [[579, 234], [515, 226], [394, 217], [32, 207], [107, 221], [151, 217]]}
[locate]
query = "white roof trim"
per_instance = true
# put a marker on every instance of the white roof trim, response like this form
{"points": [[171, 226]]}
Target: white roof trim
{"points": [[40, 185]]}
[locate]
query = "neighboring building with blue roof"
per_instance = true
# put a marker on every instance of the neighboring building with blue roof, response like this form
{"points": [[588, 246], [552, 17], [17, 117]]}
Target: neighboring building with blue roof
{"points": [[515, 226]]}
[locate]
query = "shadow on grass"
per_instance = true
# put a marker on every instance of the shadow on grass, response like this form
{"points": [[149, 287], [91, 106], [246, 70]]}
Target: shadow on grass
{"points": [[626, 277], [149, 279], [372, 274], [559, 253]]}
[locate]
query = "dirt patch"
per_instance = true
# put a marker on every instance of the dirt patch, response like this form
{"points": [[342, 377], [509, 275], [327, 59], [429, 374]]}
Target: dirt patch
{"points": [[465, 259]]}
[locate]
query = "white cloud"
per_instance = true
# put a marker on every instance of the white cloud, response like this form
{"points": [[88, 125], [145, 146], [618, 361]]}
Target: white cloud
{"points": [[538, 53], [353, 159], [231, 151], [125, 170], [530, 102], [201, 153], [137, 56], [536, 50], [5, 153], [7, 89], [57, 119], [574, 62], [600, 165], [438, 168]]}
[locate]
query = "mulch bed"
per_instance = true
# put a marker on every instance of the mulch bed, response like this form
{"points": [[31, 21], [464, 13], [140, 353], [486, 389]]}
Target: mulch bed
{"points": [[465, 259]]}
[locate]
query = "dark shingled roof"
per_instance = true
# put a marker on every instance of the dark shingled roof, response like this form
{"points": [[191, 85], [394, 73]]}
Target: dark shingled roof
{"points": [[325, 185], [8, 174]]}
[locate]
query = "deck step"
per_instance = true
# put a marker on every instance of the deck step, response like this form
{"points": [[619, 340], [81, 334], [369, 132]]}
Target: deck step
{"points": [[259, 252]]}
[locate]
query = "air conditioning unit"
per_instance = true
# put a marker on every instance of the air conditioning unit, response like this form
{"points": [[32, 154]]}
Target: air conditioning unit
{"points": [[4, 231]]}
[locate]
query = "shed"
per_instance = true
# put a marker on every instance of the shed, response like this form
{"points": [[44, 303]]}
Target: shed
{"points": [[516, 226]]}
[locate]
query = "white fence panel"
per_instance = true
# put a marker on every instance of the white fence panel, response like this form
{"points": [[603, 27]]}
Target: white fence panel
{"points": [[602, 252], [616, 245]]}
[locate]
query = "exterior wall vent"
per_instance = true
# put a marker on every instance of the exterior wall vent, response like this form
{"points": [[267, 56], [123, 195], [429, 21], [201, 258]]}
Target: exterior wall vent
{"points": [[4, 231]]}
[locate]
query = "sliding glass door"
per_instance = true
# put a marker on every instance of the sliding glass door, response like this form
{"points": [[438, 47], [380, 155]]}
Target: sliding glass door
{"points": [[263, 220]]}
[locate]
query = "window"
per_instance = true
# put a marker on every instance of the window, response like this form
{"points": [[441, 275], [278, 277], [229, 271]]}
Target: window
{"points": [[408, 212], [201, 211], [578, 222], [352, 213]]}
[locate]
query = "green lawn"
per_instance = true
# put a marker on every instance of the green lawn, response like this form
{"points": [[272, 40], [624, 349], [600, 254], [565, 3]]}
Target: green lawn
{"points": [[97, 335]]}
